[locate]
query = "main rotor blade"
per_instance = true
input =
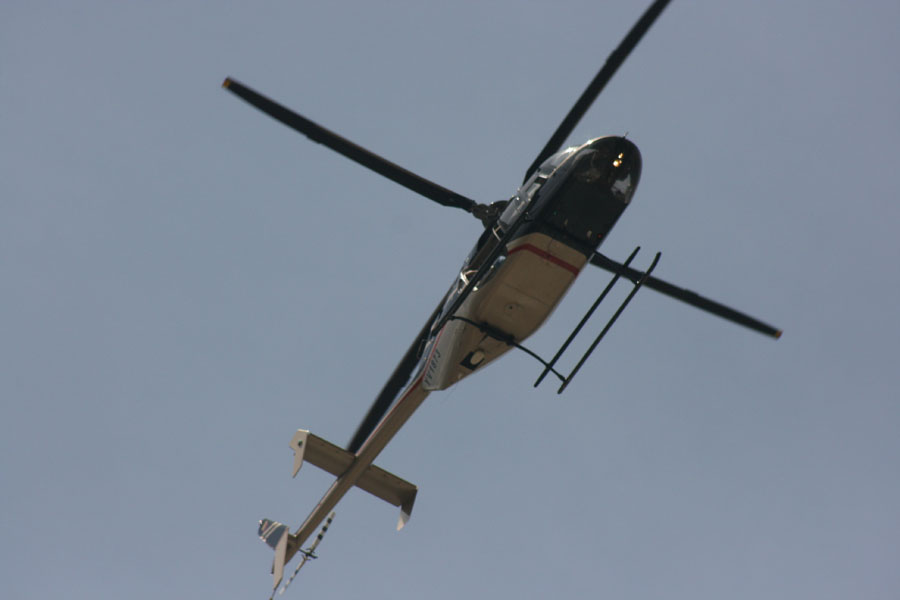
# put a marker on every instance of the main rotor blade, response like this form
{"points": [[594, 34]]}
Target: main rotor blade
{"points": [[687, 296], [394, 385], [613, 62], [356, 153]]}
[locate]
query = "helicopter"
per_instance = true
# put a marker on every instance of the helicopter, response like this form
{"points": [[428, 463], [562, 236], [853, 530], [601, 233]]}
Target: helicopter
{"points": [[532, 248]]}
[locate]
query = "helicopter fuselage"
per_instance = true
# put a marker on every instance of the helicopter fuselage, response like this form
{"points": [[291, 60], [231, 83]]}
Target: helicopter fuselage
{"points": [[531, 251], [561, 213], [559, 216]]}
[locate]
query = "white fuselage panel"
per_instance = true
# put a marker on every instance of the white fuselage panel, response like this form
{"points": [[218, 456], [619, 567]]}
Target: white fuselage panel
{"points": [[515, 300]]}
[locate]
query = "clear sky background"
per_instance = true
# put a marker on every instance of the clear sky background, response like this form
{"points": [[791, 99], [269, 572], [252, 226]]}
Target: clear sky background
{"points": [[184, 282]]}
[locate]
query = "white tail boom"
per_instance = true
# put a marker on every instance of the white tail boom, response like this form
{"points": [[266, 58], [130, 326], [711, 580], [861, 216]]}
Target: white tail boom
{"points": [[333, 459]]}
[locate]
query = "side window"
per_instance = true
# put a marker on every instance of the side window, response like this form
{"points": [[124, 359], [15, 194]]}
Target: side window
{"points": [[518, 204], [487, 243], [534, 186]]}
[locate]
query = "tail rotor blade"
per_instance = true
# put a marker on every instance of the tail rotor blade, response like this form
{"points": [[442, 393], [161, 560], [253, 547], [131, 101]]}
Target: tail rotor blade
{"points": [[309, 552], [613, 62]]}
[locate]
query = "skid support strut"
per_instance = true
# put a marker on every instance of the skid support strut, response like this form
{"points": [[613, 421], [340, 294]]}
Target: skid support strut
{"points": [[637, 285]]}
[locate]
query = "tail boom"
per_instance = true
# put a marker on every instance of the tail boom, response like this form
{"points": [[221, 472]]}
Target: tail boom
{"points": [[360, 471]]}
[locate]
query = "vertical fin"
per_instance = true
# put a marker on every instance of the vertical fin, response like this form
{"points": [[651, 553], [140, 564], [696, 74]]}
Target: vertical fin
{"points": [[278, 565], [406, 509], [298, 445]]}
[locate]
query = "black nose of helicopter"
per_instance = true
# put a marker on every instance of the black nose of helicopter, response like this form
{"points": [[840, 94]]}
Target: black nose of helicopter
{"points": [[613, 163]]}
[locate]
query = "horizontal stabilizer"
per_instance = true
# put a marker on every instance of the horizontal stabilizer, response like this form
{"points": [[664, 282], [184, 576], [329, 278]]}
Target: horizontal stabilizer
{"points": [[335, 460]]}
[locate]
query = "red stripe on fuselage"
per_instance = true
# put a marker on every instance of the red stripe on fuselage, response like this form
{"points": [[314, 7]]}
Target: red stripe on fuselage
{"points": [[546, 256]]}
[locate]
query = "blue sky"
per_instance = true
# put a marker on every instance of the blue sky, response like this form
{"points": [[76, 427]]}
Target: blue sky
{"points": [[185, 282]]}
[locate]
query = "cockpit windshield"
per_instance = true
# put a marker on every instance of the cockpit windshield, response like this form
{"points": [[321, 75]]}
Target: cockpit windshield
{"points": [[613, 168], [557, 159], [597, 186]]}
